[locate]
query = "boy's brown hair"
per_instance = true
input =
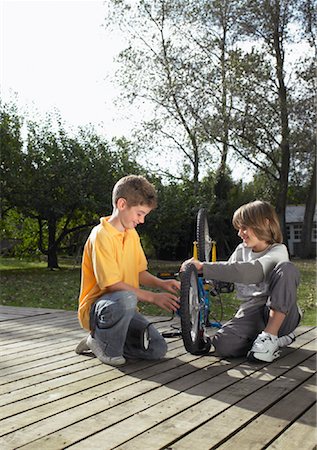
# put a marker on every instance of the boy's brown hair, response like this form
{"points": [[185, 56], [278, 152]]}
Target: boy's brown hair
{"points": [[262, 218], [136, 190]]}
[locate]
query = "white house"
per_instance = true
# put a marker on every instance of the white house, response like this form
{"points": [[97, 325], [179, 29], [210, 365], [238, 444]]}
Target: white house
{"points": [[294, 222]]}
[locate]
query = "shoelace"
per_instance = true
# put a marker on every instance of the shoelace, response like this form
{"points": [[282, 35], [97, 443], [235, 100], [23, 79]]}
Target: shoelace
{"points": [[265, 338]]}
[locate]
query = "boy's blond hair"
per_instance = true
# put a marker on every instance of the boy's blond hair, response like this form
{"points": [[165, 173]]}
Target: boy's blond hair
{"points": [[262, 218], [136, 190]]}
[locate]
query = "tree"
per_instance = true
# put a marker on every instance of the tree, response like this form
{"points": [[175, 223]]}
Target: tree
{"points": [[178, 61], [67, 179], [306, 121], [305, 251], [151, 72], [172, 225], [61, 181], [57, 182], [269, 21], [11, 145], [210, 95]]}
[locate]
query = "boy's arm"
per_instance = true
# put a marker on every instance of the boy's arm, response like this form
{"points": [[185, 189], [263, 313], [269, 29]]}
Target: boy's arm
{"points": [[246, 272], [164, 300], [236, 272], [147, 279]]}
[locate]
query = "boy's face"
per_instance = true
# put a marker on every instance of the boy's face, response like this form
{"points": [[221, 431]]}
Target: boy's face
{"points": [[250, 240], [131, 216]]}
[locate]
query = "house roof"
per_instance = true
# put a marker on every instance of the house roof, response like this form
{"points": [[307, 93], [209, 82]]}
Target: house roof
{"points": [[295, 213]]}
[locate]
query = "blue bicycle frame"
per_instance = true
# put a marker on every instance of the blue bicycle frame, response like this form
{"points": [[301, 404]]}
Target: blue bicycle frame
{"points": [[205, 304]]}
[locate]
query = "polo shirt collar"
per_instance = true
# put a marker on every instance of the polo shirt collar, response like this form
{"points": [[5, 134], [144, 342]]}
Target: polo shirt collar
{"points": [[111, 229]]}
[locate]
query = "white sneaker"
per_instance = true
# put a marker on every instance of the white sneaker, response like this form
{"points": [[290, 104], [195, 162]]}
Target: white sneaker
{"points": [[82, 347], [286, 340], [264, 348]]}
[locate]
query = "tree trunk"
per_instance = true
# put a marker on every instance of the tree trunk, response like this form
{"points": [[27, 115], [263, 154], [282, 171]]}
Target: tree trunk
{"points": [[284, 146], [196, 168], [282, 191], [52, 262], [305, 250], [224, 98]]}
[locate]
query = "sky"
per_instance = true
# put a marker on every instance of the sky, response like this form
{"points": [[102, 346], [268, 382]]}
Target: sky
{"points": [[57, 54]]}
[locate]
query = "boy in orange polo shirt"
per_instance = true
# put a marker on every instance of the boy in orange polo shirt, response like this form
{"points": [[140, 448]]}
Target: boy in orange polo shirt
{"points": [[113, 268]]}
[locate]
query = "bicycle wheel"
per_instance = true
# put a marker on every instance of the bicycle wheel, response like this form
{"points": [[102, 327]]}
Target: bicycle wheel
{"points": [[203, 238], [191, 314]]}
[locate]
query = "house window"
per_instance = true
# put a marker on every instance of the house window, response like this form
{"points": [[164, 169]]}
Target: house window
{"points": [[288, 230], [314, 233], [297, 232]]}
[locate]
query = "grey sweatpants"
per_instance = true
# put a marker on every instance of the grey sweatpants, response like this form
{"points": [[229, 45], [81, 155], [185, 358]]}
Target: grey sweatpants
{"points": [[236, 337]]}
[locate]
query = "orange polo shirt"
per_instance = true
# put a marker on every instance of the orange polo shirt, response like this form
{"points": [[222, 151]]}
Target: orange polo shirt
{"points": [[109, 256]]}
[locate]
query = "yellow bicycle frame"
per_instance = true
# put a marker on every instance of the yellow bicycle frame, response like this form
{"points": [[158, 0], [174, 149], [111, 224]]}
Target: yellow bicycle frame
{"points": [[213, 251]]}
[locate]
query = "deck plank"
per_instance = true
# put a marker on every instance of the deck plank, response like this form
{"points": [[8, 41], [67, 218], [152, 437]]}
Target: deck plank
{"points": [[52, 398], [271, 423], [122, 412], [163, 434], [300, 434]]}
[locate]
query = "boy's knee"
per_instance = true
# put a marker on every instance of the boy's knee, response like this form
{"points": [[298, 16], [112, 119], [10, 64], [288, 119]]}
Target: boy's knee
{"points": [[230, 346], [160, 350], [109, 311], [158, 345], [128, 300], [156, 351], [221, 345]]}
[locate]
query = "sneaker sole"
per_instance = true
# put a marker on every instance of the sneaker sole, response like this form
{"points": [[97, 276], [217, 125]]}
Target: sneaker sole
{"points": [[262, 357], [105, 359]]}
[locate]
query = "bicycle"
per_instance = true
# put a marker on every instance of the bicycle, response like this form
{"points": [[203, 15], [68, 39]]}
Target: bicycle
{"points": [[196, 292]]}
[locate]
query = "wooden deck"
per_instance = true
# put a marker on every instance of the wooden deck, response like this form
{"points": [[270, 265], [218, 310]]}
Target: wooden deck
{"points": [[51, 398]]}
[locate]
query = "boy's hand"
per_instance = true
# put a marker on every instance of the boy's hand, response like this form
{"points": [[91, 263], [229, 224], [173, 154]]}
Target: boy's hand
{"points": [[197, 264], [172, 285], [166, 301]]}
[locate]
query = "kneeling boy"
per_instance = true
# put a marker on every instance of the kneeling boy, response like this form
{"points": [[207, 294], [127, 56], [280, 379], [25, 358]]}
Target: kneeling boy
{"points": [[113, 268]]}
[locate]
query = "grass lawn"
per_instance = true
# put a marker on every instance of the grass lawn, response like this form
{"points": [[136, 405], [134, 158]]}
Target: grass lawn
{"points": [[31, 284]]}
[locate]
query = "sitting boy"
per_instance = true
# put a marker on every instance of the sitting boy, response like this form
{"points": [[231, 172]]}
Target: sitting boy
{"points": [[266, 284], [113, 267]]}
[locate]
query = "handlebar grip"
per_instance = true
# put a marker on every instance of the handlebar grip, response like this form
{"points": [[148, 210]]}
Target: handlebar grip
{"points": [[167, 275]]}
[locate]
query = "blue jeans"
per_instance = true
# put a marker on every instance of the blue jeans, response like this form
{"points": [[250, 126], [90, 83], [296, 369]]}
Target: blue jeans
{"points": [[116, 324]]}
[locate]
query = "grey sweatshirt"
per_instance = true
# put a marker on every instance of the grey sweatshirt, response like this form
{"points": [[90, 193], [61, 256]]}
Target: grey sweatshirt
{"points": [[247, 269]]}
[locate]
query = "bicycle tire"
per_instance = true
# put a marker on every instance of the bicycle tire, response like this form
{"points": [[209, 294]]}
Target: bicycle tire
{"points": [[195, 340], [203, 238]]}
